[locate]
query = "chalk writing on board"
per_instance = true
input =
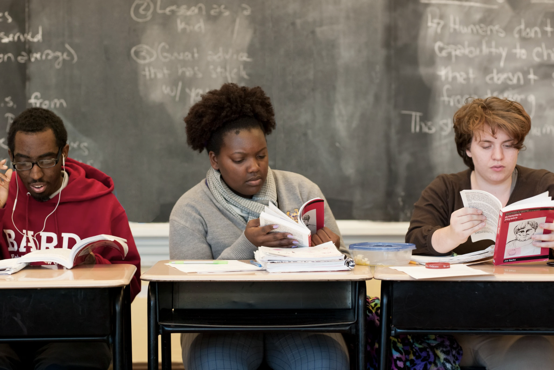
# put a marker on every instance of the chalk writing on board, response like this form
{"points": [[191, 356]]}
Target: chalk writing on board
{"points": [[6, 38], [143, 10], [173, 70], [57, 56], [486, 51], [37, 101], [5, 17], [8, 103]]}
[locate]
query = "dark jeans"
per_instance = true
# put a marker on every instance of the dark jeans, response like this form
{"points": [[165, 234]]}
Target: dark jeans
{"points": [[55, 356]]}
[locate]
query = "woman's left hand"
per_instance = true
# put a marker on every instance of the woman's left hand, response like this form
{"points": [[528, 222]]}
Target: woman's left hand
{"points": [[325, 235], [545, 241]]}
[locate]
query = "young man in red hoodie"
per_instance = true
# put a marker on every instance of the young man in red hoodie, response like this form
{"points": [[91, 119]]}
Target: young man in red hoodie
{"points": [[52, 201]]}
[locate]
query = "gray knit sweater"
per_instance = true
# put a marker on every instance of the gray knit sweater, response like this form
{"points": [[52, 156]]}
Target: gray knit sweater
{"points": [[199, 228]]}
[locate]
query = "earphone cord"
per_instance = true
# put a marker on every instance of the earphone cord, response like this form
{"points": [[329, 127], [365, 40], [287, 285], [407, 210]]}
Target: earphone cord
{"points": [[37, 245]]}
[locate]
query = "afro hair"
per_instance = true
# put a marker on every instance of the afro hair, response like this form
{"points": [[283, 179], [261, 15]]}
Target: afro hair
{"points": [[213, 116]]}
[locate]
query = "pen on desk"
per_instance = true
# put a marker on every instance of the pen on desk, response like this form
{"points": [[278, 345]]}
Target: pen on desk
{"points": [[255, 263]]}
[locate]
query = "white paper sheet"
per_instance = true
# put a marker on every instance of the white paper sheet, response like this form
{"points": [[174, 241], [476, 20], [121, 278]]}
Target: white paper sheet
{"points": [[422, 272], [230, 266]]}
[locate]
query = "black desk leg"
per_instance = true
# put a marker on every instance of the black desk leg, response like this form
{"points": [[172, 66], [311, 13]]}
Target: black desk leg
{"points": [[152, 328], [118, 345], [127, 334], [361, 319], [385, 326], [166, 351]]}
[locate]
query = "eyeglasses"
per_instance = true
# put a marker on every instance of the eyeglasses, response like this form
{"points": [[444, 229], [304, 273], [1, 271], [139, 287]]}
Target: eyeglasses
{"points": [[43, 163]]}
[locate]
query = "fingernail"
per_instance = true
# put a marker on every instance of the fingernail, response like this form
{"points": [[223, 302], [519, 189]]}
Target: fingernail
{"points": [[294, 242], [289, 236], [293, 246], [275, 226]]}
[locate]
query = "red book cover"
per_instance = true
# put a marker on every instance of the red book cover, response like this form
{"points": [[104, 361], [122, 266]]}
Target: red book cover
{"points": [[514, 235], [312, 213]]}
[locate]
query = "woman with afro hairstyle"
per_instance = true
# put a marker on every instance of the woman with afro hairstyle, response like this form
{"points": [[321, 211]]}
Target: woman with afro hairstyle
{"points": [[219, 219]]}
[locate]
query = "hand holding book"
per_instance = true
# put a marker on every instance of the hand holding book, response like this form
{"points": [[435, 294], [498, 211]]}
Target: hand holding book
{"points": [[466, 221], [267, 235], [325, 235], [521, 231], [544, 240]]}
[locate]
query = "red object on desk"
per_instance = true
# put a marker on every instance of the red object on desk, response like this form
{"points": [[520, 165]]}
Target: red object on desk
{"points": [[437, 265]]}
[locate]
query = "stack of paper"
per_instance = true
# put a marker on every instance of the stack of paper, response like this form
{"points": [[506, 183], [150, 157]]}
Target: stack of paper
{"points": [[482, 255], [215, 266], [323, 257]]}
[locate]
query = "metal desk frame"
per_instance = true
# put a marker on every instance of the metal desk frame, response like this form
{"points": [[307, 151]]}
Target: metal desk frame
{"points": [[185, 322], [101, 314], [478, 307]]}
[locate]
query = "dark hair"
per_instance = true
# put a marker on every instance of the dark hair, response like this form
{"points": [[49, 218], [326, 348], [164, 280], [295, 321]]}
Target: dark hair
{"points": [[37, 120], [500, 114], [229, 108]]}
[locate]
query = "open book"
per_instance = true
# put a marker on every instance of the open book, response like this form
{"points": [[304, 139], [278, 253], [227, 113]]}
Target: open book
{"points": [[68, 258], [311, 217], [512, 227]]}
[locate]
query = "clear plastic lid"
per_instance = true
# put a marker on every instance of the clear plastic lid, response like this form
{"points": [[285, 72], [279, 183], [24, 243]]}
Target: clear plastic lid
{"points": [[391, 247]]}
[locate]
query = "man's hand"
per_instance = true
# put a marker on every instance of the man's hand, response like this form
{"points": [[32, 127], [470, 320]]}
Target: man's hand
{"points": [[325, 235], [261, 236], [544, 241], [5, 179]]}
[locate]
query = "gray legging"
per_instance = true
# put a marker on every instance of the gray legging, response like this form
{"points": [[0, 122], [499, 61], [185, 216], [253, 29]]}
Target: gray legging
{"points": [[281, 351]]}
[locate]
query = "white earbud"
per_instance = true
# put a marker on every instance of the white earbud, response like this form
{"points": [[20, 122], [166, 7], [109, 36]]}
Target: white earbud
{"points": [[63, 160]]}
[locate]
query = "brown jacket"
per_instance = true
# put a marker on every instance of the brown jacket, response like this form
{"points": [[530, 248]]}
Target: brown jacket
{"points": [[442, 197]]}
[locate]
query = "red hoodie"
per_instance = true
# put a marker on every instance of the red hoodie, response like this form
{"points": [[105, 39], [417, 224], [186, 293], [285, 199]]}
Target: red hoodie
{"points": [[87, 208]]}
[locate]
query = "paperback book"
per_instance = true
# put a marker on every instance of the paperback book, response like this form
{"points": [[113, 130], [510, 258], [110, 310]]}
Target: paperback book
{"points": [[311, 217], [511, 228], [67, 258]]}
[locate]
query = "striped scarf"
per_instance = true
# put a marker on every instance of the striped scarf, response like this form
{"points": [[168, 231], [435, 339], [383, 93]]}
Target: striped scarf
{"points": [[242, 208]]}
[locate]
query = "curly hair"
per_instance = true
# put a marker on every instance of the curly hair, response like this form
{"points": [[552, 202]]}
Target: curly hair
{"points": [[500, 114], [37, 120], [229, 108]]}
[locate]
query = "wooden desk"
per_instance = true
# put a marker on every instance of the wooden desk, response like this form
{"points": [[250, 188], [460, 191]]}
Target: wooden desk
{"points": [[517, 299], [254, 301], [87, 303]]}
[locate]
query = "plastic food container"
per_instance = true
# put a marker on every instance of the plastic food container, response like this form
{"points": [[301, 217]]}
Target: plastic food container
{"points": [[389, 254]]}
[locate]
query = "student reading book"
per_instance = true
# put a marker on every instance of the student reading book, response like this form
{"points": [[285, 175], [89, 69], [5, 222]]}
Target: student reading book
{"points": [[69, 258], [219, 219], [310, 218], [49, 200], [489, 134], [512, 227]]}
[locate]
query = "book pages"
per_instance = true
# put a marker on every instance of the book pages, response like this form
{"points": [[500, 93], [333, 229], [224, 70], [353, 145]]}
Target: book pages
{"points": [[490, 206]]}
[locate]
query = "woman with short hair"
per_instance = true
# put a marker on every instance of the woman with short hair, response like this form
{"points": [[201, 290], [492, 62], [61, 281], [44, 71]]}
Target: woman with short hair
{"points": [[489, 134]]}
